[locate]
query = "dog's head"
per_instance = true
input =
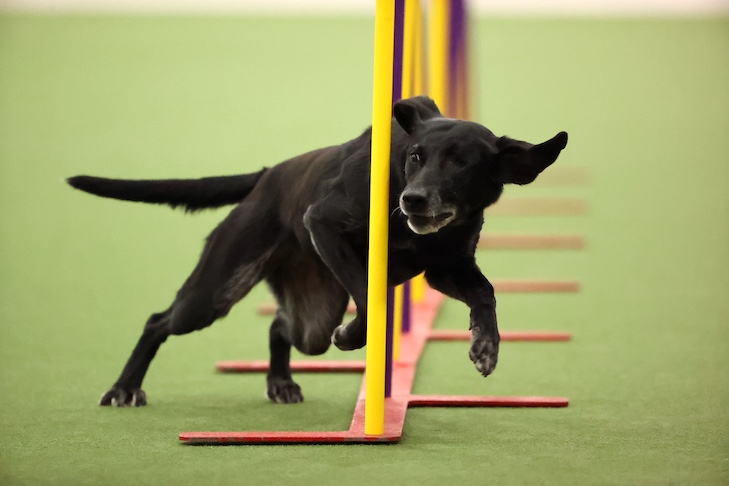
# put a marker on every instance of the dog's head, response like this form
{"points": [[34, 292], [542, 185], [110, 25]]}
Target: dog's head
{"points": [[455, 168]]}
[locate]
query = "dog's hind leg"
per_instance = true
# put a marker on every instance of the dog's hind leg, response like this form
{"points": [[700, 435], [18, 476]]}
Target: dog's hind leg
{"points": [[187, 314], [312, 304], [281, 388], [330, 237], [231, 264], [127, 390]]}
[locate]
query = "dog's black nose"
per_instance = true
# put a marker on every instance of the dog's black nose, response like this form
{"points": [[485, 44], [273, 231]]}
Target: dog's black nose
{"points": [[414, 200]]}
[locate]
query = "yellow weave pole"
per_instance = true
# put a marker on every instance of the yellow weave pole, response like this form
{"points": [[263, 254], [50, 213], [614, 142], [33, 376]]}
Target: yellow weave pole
{"points": [[438, 30], [417, 288], [379, 215], [412, 85], [438, 53], [410, 74], [410, 50]]}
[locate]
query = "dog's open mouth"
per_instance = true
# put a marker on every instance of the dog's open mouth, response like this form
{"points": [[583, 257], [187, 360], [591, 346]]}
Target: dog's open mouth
{"points": [[426, 224]]}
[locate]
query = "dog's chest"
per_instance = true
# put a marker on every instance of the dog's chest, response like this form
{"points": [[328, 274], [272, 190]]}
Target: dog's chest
{"points": [[407, 258]]}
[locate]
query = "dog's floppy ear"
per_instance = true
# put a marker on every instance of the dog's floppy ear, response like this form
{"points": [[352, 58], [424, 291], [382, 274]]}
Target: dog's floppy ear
{"points": [[521, 162], [412, 112]]}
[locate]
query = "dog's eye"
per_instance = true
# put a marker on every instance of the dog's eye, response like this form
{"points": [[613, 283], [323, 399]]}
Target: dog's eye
{"points": [[415, 157]]}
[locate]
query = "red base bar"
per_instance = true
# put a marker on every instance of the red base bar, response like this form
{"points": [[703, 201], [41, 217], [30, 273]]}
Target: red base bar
{"points": [[473, 401], [539, 206], [296, 366], [531, 242], [512, 336], [279, 438], [403, 376], [395, 410], [535, 286], [253, 438]]}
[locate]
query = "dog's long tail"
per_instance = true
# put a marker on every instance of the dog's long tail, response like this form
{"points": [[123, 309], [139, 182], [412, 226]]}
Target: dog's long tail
{"points": [[190, 194]]}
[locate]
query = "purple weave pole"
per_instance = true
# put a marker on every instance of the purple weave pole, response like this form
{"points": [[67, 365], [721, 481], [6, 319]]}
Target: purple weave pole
{"points": [[457, 59], [406, 301], [397, 58], [401, 7], [396, 95]]}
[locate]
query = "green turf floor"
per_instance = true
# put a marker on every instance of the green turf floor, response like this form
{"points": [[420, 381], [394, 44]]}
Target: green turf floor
{"points": [[646, 104]]}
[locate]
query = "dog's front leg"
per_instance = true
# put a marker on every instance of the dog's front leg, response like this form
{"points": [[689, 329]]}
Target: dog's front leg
{"points": [[464, 281], [324, 222]]}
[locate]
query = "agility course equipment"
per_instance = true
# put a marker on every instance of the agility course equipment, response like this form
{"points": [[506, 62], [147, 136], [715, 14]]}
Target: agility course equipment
{"points": [[394, 408], [379, 206], [395, 344]]}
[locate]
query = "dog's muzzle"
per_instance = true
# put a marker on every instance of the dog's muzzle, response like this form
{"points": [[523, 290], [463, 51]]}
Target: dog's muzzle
{"points": [[426, 214]]}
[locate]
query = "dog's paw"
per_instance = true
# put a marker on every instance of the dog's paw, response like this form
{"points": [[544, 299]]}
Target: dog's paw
{"points": [[120, 397], [282, 390], [484, 353], [348, 337]]}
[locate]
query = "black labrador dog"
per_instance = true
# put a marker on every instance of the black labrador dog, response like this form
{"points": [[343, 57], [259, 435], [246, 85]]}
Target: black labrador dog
{"points": [[302, 227]]}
